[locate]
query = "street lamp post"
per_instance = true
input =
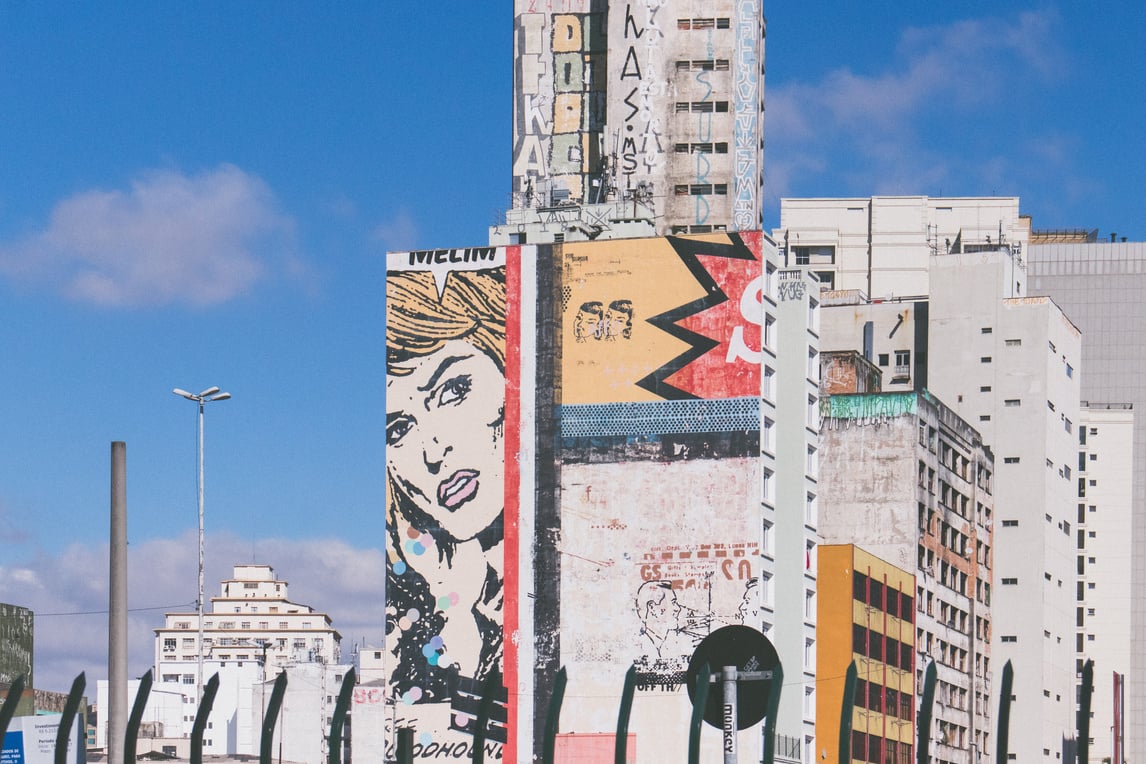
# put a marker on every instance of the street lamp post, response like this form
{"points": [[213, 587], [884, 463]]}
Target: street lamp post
{"points": [[203, 398]]}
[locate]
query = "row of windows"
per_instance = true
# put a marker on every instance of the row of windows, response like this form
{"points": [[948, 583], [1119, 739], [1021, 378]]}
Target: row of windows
{"points": [[891, 601], [879, 750], [872, 644], [876, 697], [701, 148], [701, 107], [703, 65], [700, 189], [702, 23]]}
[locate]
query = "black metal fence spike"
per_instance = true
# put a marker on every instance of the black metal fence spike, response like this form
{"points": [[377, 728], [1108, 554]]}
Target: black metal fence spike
{"points": [[131, 732], [626, 710], [847, 711], [201, 714], [488, 693], [338, 721], [926, 708], [699, 702], [775, 685], [71, 708], [1004, 721], [1085, 694], [266, 744], [553, 717]]}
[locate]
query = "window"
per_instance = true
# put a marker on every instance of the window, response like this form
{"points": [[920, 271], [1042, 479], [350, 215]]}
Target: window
{"points": [[985, 359], [701, 107], [1009, 638], [985, 389], [766, 538], [883, 359], [986, 330], [1010, 581], [1010, 523], [168, 645], [1050, 405], [1013, 343], [1012, 402], [1010, 460], [1069, 370]]}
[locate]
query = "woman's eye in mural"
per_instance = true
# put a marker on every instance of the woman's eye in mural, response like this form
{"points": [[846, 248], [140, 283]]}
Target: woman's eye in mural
{"points": [[453, 391], [397, 426]]}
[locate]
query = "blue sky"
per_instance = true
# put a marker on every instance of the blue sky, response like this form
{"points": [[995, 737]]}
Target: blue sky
{"points": [[196, 195]]}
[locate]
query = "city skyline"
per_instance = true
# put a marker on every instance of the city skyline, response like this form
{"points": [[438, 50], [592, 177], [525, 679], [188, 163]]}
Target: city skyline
{"points": [[204, 199]]}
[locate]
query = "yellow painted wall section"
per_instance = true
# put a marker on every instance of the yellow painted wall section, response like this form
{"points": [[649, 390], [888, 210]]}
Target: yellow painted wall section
{"points": [[837, 612], [833, 643]]}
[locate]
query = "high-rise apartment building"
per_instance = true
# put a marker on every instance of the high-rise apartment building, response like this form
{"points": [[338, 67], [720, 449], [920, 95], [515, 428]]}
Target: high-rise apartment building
{"points": [[956, 267], [637, 116], [598, 454], [1105, 542], [1100, 286], [904, 478]]}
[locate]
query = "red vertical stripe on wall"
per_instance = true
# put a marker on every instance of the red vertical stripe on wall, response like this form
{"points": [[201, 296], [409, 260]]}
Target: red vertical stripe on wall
{"points": [[512, 512]]}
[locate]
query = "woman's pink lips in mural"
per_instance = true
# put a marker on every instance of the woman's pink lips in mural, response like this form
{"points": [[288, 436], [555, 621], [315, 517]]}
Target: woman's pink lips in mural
{"points": [[459, 488]]}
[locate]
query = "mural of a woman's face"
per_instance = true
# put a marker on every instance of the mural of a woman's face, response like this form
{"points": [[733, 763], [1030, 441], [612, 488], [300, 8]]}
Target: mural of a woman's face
{"points": [[444, 437]]}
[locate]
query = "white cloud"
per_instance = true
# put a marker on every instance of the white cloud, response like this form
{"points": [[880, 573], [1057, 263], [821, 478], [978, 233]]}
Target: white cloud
{"points": [[880, 126], [399, 233], [69, 595], [169, 238]]}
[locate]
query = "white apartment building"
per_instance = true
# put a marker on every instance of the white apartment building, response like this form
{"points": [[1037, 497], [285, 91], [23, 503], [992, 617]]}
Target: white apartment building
{"points": [[882, 245], [1009, 365], [989, 357], [635, 119], [250, 620], [908, 480], [252, 632], [1100, 285], [790, 444], [1105, 543]]}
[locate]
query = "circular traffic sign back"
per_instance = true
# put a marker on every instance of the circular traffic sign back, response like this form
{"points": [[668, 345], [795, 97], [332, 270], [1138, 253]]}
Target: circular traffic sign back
{"points": [[746, 649]]}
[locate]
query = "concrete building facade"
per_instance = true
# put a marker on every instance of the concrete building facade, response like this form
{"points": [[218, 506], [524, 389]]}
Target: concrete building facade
{"points": [[882, 245], [1105, 541], [252, 632], [647, 111], [1100, 285], [866, 614], [791, 381], [1010, 366], [909, 481], [642, 474]]}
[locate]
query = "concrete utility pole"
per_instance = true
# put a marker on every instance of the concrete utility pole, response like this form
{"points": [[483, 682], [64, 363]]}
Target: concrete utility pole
{"points": [[117, 606]]}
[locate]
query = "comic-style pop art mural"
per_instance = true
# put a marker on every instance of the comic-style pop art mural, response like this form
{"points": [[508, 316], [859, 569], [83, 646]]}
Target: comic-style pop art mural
{"points": [[446, 361], [596, 451]]}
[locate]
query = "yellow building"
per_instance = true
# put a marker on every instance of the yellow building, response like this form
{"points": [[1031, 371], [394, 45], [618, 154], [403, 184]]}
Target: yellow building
{"points": [[866, 613]]}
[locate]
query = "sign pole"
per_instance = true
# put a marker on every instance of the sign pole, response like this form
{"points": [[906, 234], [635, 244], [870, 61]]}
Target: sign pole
{"points": [[728, 674]]}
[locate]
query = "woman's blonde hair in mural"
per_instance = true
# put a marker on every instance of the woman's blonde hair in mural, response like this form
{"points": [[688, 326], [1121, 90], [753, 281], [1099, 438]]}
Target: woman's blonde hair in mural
{"points": [[471, 307]]}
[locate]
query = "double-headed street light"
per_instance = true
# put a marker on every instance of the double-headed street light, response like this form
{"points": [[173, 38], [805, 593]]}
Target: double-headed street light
{"points": [[207, 396]]}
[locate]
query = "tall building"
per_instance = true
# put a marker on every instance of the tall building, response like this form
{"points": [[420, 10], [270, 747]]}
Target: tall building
{"points": [[1100, 285], [866, 614], [598, 454], [1010, 366], [1105, 543], [791, 432], [903, 477], [1003, 361], [631, 116]]}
